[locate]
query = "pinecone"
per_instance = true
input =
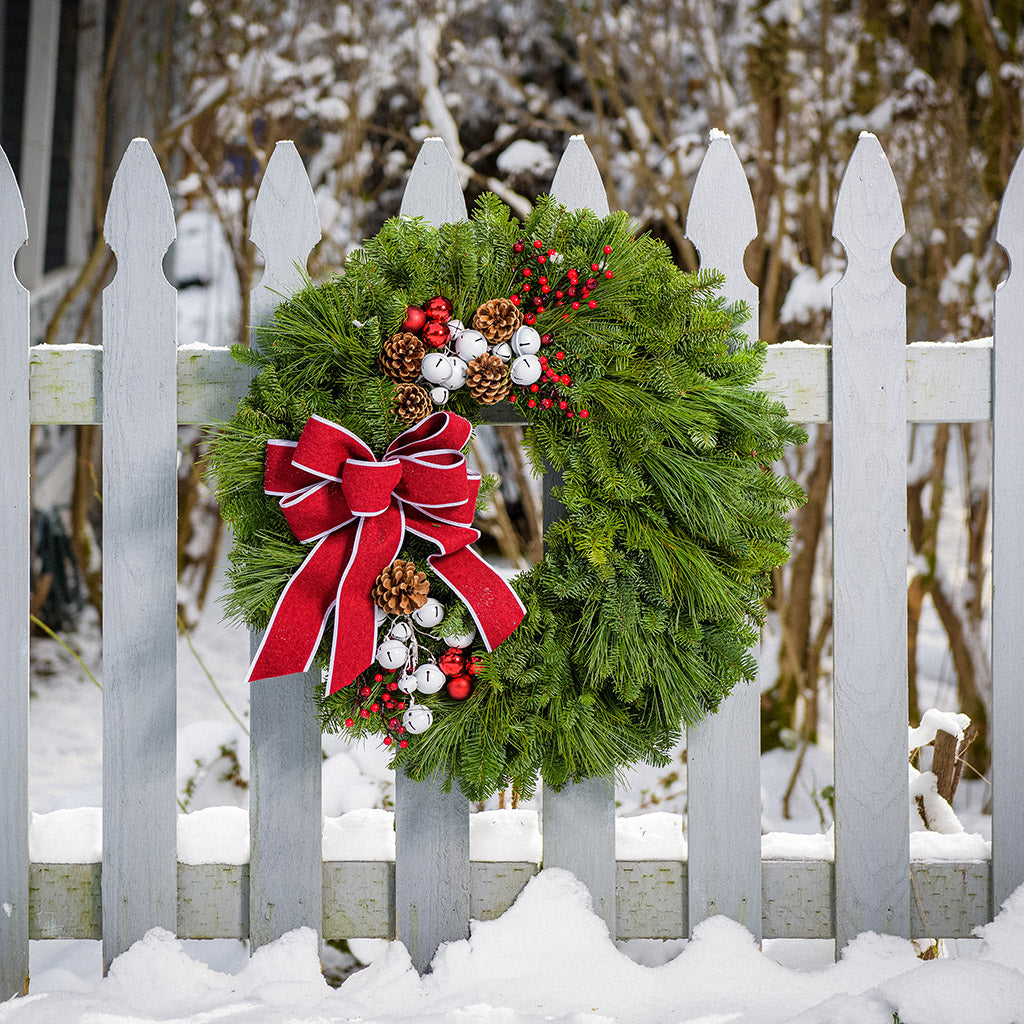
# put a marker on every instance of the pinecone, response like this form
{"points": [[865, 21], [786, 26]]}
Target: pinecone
{"points": [[401, 357], [400, 589], [497, 320], [412, 403], [487, 379]]}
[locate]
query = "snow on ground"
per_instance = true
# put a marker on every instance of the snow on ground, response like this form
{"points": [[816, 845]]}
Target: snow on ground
{"points": [[549, 958]]}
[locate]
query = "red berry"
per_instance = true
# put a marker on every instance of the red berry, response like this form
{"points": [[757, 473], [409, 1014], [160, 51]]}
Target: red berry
{"points": [[540, 309], [532, 403], [364, 713], [403, 743], [559, 354], [393, 724], [584, 413], [563, 404], [387, 741], [592, 304], [527, 271], [375, 707], [518, 247], [546, 339], [545, 403], [541, 259], [525, 288], [566, 379], [569, 415], [607, 252], [364, 691], [551, 252], [514, 299], [545, 288], [559, 295], [392, 685], [378, 678], [538, 244], [534, 388], [512, 399], [608, 274], [575, 305], [591, 282], [542, 280], [595, 267], [349, 722], [400, 730], [572, 292], [565, 316], [529, 319]]}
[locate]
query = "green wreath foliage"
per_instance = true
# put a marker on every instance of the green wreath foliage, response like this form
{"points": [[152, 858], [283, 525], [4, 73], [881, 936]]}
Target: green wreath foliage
{"points": [[641, 616]]}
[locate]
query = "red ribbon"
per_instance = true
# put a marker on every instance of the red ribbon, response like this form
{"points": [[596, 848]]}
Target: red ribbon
{"points": [[357, 510]]}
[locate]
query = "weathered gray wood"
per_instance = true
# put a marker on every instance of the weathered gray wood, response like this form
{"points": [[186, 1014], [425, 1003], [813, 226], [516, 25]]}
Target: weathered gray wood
{"points": [[139, 560], [14, 596], [946, 382], [869, 513], [432, 874], [724, 806], [213, 901], [578, 821], [1008, 552], [37, 134], [433, 191], [286, 884], [577, 182], [359, 898]]}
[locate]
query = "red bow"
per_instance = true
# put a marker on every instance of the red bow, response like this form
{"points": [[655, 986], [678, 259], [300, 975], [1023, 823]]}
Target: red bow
{"points": [[357, 510]]}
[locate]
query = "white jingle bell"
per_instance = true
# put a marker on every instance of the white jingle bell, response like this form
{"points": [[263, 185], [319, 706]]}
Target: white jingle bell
{"points": [[392, 654], [470, 345], [503, 350], [439, 395], [458, 377], [417, 719], [526, 341], [407, 682], [525, 370], [462, 640], [401, 630], [436, 368], [456, 327], [429, 678], [429, 614]]}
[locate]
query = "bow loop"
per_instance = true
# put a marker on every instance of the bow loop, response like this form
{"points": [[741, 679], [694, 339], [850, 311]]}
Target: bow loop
{"points": [[357, 509]]}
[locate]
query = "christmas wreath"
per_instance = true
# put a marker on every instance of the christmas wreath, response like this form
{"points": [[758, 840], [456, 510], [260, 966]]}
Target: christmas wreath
{"points": [[343, 477]]}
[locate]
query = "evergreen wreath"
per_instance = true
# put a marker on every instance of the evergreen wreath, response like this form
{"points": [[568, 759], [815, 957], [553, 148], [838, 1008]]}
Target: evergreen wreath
{"points": [[635, 385]]}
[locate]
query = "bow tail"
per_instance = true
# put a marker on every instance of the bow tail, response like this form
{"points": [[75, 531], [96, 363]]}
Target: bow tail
{"points": [[300, 615], [377, 542], [494, 606]]}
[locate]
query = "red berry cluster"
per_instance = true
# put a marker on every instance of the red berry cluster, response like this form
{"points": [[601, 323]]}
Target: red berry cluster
{"points": [[552, 293], [381, 699], [430, 321]]}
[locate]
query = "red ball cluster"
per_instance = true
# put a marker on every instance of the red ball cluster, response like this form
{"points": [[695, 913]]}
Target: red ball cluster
{"points": [[380, 698], [430, 321]]}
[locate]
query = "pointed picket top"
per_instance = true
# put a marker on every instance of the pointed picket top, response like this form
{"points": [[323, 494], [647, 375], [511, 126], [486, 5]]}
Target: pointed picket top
{"points": [[433, 191], [721, 222], [140, 218], [1010, 225], [869, 214], [285, 227], [13, 225], [577, 182]]}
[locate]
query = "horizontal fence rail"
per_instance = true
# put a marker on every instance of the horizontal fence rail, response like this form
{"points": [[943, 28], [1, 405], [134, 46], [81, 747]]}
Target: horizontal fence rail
{"points": [[871, 373]]}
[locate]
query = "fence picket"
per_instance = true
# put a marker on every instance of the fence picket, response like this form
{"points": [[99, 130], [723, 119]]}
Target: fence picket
{"points": [[285, 811], [869, 555], [14, 596], [724, 807], [139, 559], [1008, 551], [432, 873], [578, 820]]}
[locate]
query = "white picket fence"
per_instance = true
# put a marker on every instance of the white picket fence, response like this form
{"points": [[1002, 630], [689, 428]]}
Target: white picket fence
{"points": [[140, 386]]}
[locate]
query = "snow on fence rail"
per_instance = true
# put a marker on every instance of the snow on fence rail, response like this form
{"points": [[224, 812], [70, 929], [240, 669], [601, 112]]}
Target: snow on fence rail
{"points": [[140, 386]]}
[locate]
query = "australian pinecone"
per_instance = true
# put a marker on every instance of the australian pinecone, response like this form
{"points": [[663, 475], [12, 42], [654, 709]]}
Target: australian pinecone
{"points": [[497, 320], [401, 357], [400, 589], [412, 403], [487, 379]]}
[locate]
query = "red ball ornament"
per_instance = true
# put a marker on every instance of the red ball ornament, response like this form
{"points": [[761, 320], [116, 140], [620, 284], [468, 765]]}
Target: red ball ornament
{"points": [[436, 334], [475, 666], [460, 687], [415, 318], [438, 309], [452, 662]]}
